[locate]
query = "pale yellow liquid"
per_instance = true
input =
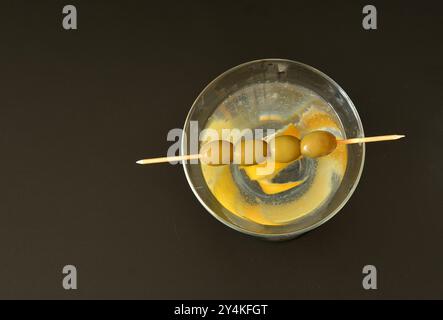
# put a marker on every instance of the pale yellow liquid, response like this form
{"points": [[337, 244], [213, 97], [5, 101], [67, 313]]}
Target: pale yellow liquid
{"points": [[309, 113]]}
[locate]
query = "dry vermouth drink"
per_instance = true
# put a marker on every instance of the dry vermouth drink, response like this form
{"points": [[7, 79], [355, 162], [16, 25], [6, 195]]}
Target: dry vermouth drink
{"points": [[292, 190]]}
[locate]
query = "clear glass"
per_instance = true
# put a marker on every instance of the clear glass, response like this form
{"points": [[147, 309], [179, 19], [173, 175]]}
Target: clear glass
{"points": [[266, 73]]}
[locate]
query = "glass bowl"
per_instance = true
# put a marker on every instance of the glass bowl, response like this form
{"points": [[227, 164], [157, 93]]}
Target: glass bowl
{"points": [[266, 72]]}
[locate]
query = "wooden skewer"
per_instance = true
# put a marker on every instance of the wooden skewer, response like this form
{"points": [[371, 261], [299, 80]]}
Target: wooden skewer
{"points": [[198, 156], [169, 159], [371, 139]]}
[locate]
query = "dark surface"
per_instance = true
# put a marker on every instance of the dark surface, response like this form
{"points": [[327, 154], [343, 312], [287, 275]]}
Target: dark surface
{"points": [[77, 108]]}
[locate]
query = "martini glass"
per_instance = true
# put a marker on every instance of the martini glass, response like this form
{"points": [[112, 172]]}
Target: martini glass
{"points": [[270, 80]]}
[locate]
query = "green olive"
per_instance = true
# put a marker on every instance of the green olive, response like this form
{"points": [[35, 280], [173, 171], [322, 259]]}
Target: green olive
{"points": [[250, 152], [318, 144], [217, 152], [285, 148]]}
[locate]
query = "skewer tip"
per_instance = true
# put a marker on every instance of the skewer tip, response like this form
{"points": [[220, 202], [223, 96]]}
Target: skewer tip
{"points": [[139, 162]]}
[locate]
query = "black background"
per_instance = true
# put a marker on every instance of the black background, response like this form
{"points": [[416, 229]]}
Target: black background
{"points": [[77, 108]]}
